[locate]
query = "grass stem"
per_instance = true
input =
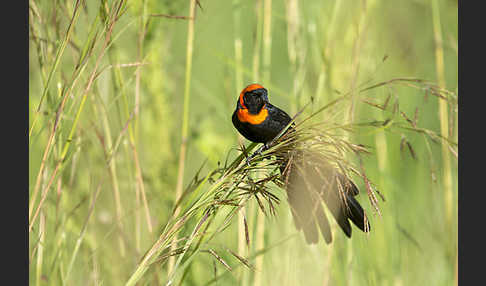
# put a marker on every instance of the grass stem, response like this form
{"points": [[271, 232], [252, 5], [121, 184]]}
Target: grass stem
{"points": [[185, 116]]}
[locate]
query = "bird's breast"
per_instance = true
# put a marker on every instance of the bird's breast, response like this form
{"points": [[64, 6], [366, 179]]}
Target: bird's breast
{"points": [[245, 116]]}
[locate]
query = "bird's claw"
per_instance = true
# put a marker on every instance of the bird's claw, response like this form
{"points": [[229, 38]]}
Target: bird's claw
{"points": [[259, 151]]}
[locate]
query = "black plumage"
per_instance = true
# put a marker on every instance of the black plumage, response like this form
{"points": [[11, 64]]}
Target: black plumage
{"points": [[264, 132], [310, 179]]}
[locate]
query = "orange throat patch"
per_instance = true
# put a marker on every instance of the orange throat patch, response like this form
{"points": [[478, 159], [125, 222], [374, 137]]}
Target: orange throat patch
{"points": [[245, 116]]}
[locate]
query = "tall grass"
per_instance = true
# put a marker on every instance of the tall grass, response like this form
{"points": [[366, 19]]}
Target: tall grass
{"points": [[185, 116], [138, 176], [445, 131], [238, 51]]}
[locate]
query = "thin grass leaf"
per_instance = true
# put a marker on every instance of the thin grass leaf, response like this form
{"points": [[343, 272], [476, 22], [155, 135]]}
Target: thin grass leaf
{"points": [[220, 260], [241, 259]]}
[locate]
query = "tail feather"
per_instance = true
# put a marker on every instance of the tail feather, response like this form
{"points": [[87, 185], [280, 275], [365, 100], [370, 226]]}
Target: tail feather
{"points": [[323, 224], [335, 205], [311, 180], [353, 209], [301, 207], [310, 232], [304, 220], [357, 214]]}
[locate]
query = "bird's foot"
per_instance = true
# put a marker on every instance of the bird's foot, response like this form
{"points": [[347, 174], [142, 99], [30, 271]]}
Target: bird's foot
{"points": [[259, 151]]}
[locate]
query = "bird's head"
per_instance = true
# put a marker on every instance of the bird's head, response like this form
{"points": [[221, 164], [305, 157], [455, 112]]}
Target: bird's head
{"points": [[253, 97]]}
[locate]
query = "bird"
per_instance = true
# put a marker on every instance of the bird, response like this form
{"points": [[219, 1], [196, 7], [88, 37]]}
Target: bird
{"points": [[310, 180]]}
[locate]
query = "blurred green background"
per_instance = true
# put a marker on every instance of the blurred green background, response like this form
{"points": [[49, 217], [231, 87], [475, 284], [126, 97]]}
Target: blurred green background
{"points": [[106, 120]]}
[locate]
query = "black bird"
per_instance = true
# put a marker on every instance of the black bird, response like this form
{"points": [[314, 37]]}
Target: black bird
{"points": [[310, 179]]}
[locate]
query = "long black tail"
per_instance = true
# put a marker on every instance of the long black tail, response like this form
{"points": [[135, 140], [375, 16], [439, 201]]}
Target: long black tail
{"points": [[310, 180]]}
